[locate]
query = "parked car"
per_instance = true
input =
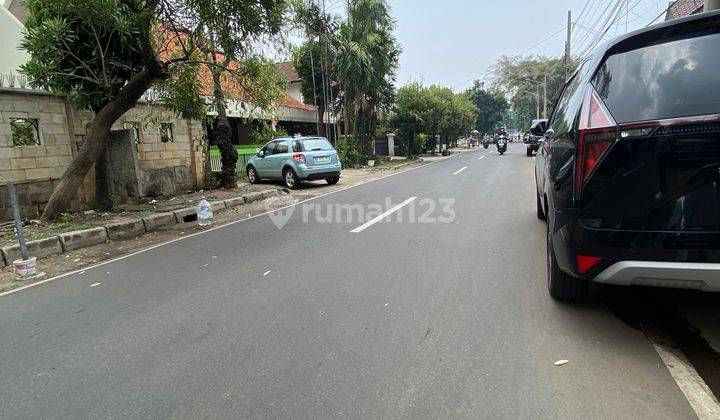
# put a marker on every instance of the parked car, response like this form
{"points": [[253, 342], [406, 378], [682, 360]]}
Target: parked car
{"points": [[294, 160], [628, 174]]}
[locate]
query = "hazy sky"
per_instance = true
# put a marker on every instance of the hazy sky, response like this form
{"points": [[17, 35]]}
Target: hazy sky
{"points": [[450, 42]]}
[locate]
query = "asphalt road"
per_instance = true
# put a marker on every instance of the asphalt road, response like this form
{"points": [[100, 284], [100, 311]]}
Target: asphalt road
{"points": [[403, 319]]}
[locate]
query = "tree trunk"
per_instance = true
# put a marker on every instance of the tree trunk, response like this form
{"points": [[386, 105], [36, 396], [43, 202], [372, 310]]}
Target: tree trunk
{"points": [[95, 142], [321, 120], [223, 136]]}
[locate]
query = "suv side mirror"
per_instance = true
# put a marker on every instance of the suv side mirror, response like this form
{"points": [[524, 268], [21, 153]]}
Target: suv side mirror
{"points": [[262, 153], [539, 127]]}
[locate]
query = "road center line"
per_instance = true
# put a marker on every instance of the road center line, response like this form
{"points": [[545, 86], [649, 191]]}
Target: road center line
{"points": [[382, 216], [481, 157], [460, 170]]}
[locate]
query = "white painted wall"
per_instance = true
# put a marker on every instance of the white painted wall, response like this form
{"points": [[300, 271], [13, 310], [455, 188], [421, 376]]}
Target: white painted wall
{"points": [[11, 56], [294, 91]]}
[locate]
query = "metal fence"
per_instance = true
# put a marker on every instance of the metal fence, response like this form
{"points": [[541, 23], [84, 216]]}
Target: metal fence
{"points": [[216, 162]]}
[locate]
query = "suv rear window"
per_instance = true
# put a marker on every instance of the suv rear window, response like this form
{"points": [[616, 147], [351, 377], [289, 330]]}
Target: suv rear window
{"points": [[673, 79], [316, 144]]}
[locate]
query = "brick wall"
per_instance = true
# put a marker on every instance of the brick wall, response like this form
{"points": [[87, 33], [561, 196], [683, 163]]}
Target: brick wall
{"points": [[165, 167]]}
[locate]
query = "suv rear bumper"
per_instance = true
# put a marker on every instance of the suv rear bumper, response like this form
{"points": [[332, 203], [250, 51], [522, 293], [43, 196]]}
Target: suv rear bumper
{"points": [[688, 260], [701, 276]]}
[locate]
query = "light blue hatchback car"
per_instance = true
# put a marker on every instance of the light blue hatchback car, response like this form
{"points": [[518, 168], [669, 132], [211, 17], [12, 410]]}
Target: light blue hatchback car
{"points": [[295, 159]]}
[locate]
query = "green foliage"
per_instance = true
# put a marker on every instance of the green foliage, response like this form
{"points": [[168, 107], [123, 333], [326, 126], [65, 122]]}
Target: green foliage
{"points": [[263, 133], [421, 113], [24, 132], [351, 153], [491, 105], [512, 74], [85, 50], [88, 50], [367, 57], [307, 60]]}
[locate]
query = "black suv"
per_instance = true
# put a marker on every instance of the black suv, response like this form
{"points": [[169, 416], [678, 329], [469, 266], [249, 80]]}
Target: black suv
{"points": [[628, 171]]}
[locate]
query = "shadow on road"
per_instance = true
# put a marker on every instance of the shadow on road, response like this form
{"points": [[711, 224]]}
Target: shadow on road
{"points": [[691, 318]]}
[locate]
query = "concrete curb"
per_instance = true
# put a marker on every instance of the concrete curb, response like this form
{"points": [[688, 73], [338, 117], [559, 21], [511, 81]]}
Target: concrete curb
{"points": [[40, 248], [70, 241], [158, 220], [125, 230], [181, 214], [254, 196], [81, 238], [234, 202]]}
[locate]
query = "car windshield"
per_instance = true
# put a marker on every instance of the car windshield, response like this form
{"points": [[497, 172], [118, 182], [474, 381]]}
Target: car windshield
{"points": [[310, 145]]}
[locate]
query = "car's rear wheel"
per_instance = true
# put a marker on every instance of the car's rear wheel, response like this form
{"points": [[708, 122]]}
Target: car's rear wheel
{"points": [[540, 208], [252, 175], [561, 285], [332, 180], [291, 179], [529, 151]]}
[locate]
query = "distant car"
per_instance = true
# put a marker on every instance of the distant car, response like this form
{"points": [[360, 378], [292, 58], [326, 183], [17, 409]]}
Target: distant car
{"points": [[628, 173], [293, 160]]}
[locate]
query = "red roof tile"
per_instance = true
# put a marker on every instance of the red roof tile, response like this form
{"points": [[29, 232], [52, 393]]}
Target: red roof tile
{"points": [[230, 86], [682, 8]]}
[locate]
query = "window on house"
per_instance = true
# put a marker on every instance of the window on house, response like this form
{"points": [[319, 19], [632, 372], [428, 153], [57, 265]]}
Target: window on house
{"points": [[135, 127], [166, 133], [25, 131]]}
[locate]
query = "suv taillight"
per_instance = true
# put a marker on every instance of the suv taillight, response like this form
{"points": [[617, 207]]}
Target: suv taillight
{"points": [[597, 132], [299, 157]]}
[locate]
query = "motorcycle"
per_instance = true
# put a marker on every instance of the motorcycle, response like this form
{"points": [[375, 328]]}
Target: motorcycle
{"points": [[502, 145], [486, 143]]}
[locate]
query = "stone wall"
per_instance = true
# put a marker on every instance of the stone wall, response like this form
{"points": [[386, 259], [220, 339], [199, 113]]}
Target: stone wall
{"points": [[165, 167]]}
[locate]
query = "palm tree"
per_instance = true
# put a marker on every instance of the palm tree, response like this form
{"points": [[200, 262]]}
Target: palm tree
{"points": [[367, 56]]}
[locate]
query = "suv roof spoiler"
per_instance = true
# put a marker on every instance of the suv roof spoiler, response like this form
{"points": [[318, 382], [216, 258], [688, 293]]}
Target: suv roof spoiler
{"points": [[661, 32]]}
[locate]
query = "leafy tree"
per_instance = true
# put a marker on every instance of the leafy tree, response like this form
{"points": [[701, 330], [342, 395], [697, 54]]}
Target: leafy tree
{"points": [[367, 57], [491, 105], [103, 55], [314, 59], [411, 117], [421, 113], [308, 60], [512, 74]]}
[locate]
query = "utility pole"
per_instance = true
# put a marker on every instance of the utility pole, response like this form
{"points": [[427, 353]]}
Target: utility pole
{"points": [[567, 45], [537, 102]]}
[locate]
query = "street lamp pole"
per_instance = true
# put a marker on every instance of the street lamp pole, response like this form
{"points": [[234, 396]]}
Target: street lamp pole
{"points": [[537, 85]]}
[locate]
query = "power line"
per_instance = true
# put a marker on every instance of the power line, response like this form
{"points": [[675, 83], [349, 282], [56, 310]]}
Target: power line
{"points": [[607, 24], [521, 53], [658, 16], [595, 24]]}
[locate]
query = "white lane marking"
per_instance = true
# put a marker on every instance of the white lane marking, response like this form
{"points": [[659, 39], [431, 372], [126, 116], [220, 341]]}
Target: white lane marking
{"points": [[382, 216], [220, 226], [481, 157], [460, 170], [95, 284], [266, 273], [696, 391]]}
